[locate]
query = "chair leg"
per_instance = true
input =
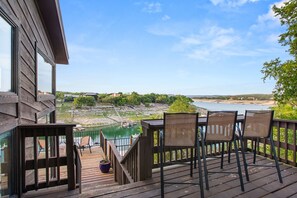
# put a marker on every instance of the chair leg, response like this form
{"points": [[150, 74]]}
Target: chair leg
{"points": [[200, 170], [195, 158], [255, 148], [222, 155], [80, 151], [276, 160], [161, 164], [204, 162], [229, 151], [90, 149], [238, 165], [244, 158], [191, 163]]}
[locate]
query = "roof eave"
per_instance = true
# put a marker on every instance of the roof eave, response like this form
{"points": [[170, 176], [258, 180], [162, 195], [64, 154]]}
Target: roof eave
{"points": [[52, 18]]}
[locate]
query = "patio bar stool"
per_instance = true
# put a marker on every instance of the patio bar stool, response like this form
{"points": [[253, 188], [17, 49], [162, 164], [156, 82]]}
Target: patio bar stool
{"points": [[220, 128], [84, 143], [180, 130], [258, 124]]}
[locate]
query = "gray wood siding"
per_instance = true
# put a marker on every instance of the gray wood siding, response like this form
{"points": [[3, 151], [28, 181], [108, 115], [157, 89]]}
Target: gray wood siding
{"points": [[30, 28]]}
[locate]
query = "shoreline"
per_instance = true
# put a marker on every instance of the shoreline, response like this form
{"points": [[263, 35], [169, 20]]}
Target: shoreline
{"points": [[257, 102]]}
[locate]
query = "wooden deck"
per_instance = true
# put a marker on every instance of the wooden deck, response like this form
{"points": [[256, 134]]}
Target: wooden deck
{"points": [[91, 175], [90, 169], [263, 183]]}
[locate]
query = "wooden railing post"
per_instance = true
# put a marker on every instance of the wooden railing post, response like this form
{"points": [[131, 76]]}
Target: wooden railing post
{"points": [[141, 159], [148, 133], [105, 147], [70, 158]]}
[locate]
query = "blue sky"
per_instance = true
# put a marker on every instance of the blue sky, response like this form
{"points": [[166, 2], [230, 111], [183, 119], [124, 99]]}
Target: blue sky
{"points": [[191, 47]]}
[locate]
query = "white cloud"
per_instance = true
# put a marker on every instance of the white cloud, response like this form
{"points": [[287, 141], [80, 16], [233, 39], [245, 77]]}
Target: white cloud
{"points": [[166, 18], [270, 15], [231, 3], [221, 41], [202, 54], [207, 42], [272, 38], [267, 23], [191, 40], [152, 7]]}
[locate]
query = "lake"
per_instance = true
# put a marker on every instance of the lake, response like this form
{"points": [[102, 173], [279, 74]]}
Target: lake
{"points": [[117, 131], [110, 132], [213, 106]]}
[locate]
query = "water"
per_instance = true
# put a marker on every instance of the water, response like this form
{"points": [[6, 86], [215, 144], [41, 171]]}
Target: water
{"points": [[120, 132], [213, 106], [110, 132], [116, 131]]}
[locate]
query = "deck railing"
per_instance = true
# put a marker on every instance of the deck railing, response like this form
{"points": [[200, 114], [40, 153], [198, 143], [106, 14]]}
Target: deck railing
{"points": [[131, 167], [284, 136], [122, 144], [49, 163], [77, 135]]}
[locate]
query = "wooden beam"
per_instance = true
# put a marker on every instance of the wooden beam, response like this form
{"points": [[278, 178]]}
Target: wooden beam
{"points": [[8, 97]]}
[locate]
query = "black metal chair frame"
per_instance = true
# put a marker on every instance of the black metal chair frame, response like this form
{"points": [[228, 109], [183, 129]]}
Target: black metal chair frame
{"points": [[233, 140], [255, 141], [84, 146], [197, 146]]}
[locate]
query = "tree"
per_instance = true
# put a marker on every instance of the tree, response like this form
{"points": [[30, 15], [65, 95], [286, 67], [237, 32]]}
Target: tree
{"points": [[84, 101], [285, 72], [182, 105], [59, 95], [133, 98]]}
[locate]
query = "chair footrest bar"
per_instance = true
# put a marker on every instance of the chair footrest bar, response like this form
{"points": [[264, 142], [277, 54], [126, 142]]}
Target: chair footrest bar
{"points": [[181, 183], [261, 165], [226, 172], [214, 157]]}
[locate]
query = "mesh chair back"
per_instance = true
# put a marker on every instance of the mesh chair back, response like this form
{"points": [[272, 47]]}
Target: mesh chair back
{"points": [[220, 125], [85, 141], [41, 143], [180, 129], [258, 123]]}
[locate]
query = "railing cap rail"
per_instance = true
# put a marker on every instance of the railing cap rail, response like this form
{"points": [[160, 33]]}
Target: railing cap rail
{"points": [[283, 120], [52, 125]]}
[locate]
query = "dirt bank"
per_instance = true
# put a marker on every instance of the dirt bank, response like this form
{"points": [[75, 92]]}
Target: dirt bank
{"points": [[258, 102]]}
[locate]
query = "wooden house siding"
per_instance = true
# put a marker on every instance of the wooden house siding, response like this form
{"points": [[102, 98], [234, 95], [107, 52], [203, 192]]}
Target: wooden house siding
{"points": [[30, 30]]}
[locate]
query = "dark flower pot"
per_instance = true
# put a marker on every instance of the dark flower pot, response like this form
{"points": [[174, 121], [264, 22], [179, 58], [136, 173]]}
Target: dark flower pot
{"points": [[104, 167]]}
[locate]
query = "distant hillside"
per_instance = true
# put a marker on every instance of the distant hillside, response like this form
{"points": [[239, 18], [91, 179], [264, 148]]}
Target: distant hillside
{"points": [[235, 97]]}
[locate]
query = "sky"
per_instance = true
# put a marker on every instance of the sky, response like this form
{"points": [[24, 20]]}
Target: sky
{"points": [[189, 47]]}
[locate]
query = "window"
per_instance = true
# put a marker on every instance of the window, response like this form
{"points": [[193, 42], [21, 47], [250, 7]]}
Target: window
{"points": [[6, 40], [44, 75], [5, 162], [45, 119]]}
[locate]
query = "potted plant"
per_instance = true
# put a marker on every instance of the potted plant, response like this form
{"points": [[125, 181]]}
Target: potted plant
{"points": [[104, 165]]}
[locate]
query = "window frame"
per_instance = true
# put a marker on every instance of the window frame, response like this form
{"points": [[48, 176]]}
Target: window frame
{"points": [[11, 96], [50, 96]]}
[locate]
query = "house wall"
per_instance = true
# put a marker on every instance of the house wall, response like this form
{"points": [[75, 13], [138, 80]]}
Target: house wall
{"points": [[24, 107]]}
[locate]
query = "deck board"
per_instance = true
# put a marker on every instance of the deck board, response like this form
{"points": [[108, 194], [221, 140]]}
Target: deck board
{"points": [[263, 183], [91, 176]]}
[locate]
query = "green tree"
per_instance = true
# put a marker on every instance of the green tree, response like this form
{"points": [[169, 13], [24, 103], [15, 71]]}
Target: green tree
{"points": [[133, 98], [286, 112], [285, 72], [182, 105], [163, 99], [60, 95], [84, 101]]}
